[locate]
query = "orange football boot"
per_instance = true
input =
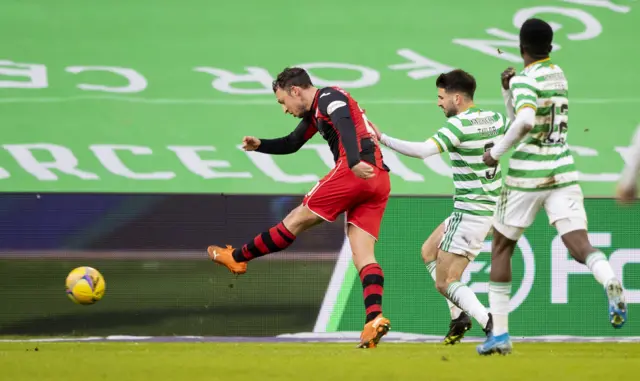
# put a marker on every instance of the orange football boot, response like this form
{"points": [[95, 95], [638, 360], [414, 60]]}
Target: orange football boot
{"points": [[224, 257], [373, 332]]}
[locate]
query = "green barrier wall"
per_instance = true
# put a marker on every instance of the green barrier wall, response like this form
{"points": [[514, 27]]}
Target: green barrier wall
{"points": [[552, 295]]}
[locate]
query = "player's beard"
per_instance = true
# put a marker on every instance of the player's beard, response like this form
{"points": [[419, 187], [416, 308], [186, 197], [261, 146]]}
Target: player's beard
{"points": [[300, 111], [451, 111]]}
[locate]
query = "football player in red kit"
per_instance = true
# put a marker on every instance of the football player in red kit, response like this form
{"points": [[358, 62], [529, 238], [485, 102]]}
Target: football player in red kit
{"points": [[358, 185]]}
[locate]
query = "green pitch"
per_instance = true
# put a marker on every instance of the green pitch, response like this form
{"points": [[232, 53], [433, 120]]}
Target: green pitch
{"points": [[289, 362]]}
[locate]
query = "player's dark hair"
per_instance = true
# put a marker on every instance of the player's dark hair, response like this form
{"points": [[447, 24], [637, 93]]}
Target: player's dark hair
{"points": [[292, 76], [535, 38], [457, 81]]}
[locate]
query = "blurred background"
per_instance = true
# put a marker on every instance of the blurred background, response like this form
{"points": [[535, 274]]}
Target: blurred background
{"points": [[120, 124]]}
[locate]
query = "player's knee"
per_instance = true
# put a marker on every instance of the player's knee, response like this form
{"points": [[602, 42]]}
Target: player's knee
{"points": [[577, 242], [502, 247], [360, 261], [428, 253], [300, 219], [442, 286]]}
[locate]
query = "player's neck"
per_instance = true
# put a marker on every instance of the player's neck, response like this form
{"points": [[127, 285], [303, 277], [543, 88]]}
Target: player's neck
{"points": [[308, 95], [465, 107], [528, 60]]}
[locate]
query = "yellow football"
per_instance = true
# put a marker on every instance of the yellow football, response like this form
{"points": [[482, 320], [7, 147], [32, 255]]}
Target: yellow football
{"points": [[85, 285]]}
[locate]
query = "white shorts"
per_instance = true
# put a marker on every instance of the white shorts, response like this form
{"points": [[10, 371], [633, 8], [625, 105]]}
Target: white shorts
{"points": [[464, 234], [516, 210]]}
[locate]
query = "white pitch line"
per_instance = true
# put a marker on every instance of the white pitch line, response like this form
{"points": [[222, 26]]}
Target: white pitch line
{"points": [[272, 102], [333, 289]]}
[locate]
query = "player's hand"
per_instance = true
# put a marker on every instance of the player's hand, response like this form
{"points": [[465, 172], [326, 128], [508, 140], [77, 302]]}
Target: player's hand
{"points": [[250, 143], [489, 160], [363, 170], [506, 77], [626, 195], [376, 131]]}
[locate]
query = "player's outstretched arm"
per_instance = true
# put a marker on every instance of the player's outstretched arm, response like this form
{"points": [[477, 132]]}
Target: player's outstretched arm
{"points": [[525, 119], [284, 145], [628, 184], [526, 104], [446, 139], [420, 150]]}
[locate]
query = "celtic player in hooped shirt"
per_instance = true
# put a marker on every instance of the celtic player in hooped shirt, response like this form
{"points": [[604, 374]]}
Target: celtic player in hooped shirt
{"points": [[467, 134], [541, 174]]}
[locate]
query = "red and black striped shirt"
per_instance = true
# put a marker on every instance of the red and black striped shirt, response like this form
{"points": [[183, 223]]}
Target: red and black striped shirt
{"points": [[341, 122]]}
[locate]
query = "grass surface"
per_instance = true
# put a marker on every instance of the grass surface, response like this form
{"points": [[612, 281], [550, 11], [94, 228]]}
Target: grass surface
{"points": [[206, 361]]}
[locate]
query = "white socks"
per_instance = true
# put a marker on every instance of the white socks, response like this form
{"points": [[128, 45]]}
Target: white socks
{"points": [[499, 295], [462, 295], [599, 265]]}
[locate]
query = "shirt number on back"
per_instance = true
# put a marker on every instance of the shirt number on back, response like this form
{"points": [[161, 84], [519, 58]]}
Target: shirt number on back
{"points": [[558, 125]]}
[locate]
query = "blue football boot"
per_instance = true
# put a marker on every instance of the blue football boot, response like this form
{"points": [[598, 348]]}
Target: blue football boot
{"points": [[494, 344]]}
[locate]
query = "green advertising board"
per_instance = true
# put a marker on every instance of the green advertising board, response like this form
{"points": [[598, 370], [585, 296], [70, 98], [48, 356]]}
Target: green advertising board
{"points": [[552, 294], [155, 96]]}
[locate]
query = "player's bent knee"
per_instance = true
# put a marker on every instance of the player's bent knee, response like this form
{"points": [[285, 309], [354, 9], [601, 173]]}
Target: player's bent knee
{"points": [[442, 287], [577, 242], [301, 219], [429, 252]]}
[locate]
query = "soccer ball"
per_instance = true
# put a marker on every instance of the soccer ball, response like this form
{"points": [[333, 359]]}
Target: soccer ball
{"points": [[85, 285]]}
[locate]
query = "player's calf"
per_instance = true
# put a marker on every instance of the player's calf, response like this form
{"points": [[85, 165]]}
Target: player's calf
{"points": [[372, 279], [449, 270], [429, 254], [577, 242], [277, 238], [500, 279], [371, 274]]}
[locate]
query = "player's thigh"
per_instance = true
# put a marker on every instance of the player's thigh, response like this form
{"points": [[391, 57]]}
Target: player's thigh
{"points": [[429, 249], [516, 210], [565, 209], [368, 209], [464, 234], [333, 194]]}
